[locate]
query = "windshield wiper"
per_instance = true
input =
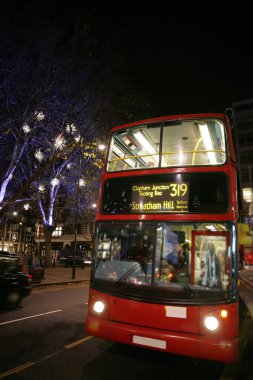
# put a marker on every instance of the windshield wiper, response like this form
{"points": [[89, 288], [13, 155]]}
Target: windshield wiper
{"points": [[129, 272], [185, 284]]}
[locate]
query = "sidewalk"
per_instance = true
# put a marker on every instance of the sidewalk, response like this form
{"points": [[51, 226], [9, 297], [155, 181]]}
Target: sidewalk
{"points": [[61, 275], [247, 276]]}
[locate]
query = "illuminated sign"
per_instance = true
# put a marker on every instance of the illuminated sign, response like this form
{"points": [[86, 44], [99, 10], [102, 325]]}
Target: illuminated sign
{"points": [[160, 197]]}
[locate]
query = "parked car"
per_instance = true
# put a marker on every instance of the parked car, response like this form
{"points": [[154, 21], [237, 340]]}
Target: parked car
{"points": [[67, 255], [14, 283]]}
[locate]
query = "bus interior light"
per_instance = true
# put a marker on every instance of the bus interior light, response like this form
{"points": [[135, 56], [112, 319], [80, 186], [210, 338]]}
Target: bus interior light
{"points": [[205, 134], [118, 152], [146, 144]]}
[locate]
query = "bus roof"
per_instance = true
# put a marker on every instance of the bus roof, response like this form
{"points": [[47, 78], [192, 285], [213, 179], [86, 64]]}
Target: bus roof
{"points": [[172, 117]]}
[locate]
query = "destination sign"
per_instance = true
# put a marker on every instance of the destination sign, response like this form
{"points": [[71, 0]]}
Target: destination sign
{"points": [[160, 197]]}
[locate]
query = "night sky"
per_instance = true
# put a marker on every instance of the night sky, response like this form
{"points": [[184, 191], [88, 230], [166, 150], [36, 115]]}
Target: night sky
{"points": [[184, 56], [190, 56]]}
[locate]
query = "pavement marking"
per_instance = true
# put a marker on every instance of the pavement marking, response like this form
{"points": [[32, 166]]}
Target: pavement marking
{"points": [[77, 342], [31, 316], [16, 369]]}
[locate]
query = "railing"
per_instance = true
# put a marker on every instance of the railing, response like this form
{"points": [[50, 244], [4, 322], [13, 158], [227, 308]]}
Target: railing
{"points": [[164, 154]]}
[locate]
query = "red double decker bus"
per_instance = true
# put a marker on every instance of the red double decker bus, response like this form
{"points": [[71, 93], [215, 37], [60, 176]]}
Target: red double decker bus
{"points": [[165, 267]]}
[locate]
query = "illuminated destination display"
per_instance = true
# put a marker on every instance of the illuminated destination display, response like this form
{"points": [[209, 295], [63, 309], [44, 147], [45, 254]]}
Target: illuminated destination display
{"points": [[166, 193], [160, 197]]}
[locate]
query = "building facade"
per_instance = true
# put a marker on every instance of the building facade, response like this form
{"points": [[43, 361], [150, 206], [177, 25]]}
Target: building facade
{"points": [[243, 117], [66, 234], [23, 237]]}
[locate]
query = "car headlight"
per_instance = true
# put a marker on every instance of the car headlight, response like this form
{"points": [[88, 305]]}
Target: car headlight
{"points": [[211, 323], [99, 307]]}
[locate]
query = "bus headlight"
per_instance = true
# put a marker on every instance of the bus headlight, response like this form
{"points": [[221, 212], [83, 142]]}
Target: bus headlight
{"points": [[211, 323], [99, 307]]}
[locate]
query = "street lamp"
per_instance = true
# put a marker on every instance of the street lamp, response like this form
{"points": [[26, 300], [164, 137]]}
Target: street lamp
{"points": [[19, 236], [101, 147]]}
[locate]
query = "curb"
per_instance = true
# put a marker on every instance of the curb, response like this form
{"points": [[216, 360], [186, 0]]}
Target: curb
{"points": [[246, 281], [41, 285]]}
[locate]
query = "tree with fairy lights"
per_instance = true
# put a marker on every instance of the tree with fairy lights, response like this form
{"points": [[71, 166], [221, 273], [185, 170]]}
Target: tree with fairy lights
{"points": [[74, 160], [14, 141], [42, 168], [18, 139]]}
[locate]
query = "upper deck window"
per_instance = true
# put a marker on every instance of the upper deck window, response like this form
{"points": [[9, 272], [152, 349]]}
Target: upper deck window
{"points": [[167, 144]]}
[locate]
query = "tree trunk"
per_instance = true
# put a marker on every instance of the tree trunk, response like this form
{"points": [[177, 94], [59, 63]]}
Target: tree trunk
{"points": [[48, 246]]}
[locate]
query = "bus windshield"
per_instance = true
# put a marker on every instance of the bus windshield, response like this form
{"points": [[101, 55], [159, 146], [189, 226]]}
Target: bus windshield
{"points": [[166, 144], [172, 259]]}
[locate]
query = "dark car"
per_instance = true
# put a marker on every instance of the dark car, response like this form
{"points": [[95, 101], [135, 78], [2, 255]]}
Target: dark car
{"points": [[67, 257], [14, 284]]}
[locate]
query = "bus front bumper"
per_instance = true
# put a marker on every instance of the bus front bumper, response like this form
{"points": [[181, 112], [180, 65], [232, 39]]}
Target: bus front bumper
{"points": [[218, 349]]}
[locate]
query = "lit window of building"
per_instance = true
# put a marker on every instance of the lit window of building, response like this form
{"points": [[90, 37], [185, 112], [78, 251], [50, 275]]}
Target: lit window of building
{"points": [[247, 194], [57, 231]]}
